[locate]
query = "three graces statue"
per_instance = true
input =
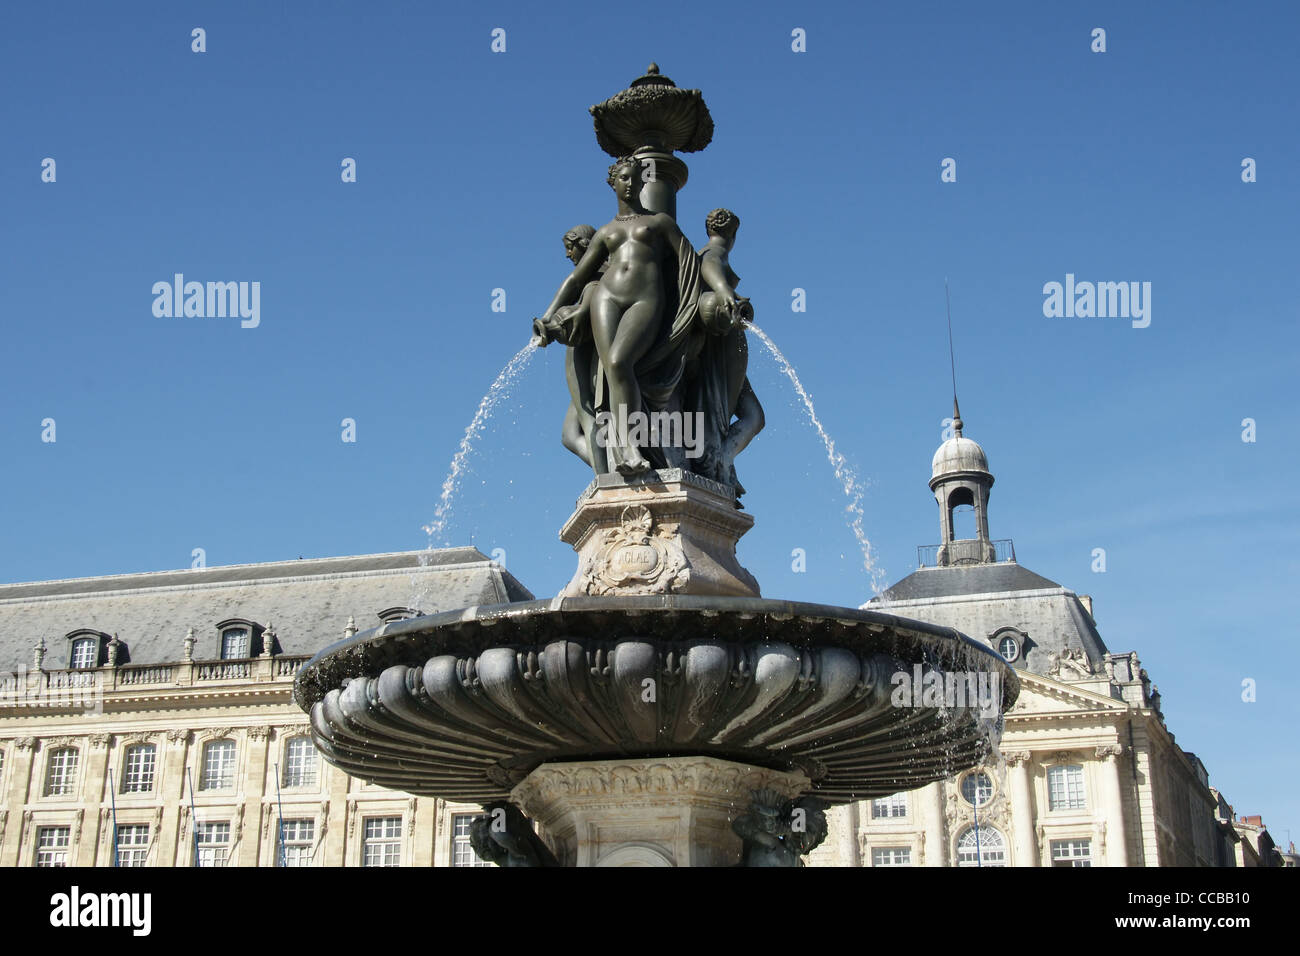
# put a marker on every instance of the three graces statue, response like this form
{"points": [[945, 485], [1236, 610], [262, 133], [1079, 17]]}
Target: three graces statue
{"points": [[657, 357]]}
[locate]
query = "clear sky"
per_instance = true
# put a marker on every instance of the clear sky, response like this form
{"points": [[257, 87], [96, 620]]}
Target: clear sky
{"points": [[375, 296]]}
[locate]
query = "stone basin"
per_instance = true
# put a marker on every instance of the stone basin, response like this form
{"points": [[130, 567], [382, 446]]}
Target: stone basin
{"points": [[465, 704]]}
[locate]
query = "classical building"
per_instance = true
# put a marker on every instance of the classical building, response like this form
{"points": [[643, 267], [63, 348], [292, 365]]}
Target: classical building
{"points": [[147, 719], [158, 707], [1088, 773]]}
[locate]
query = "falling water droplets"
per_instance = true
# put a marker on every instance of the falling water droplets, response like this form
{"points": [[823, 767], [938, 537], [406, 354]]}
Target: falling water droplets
{"points": [[844, 473], [497, 392]]}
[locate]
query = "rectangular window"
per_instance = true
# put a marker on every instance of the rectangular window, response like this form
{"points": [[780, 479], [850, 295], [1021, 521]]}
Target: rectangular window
{"points": [[85, 653], [137, 768], [132, 844], [218, 766], [885, 807], [891, 856], [300, 763], [462, 854], [382, 843], [1065, 788], [234, 644], [1071, 853], [61, 776], [52, 846], [297, 837], [212, 844]]}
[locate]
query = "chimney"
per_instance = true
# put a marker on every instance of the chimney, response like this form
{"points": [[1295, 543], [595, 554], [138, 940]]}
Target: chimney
{"points": [[1086, 601]]}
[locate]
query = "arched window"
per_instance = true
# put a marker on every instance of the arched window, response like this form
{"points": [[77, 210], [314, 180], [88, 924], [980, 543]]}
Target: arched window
{"points": [[299, 762], [977, 788], [61, 772], [990, 850], [218, 766], [235, 643], [390, 614], [138, 767]]}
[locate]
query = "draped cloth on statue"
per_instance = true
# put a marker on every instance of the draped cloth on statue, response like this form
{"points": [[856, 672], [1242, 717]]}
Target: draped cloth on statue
{"points": [[687, 370], [660, 372]]}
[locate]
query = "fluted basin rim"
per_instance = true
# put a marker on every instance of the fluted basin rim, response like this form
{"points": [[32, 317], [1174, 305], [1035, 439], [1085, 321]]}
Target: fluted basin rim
{"points": [[555, 617]]}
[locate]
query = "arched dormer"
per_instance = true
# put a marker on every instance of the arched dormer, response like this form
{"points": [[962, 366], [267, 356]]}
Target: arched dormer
{"points": [[239, 639], [87, 649], [391, 614]]}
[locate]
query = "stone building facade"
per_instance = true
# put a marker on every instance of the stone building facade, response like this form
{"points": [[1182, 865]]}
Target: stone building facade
{"points": [[1088, 773], [158, 707], [147, 719]]}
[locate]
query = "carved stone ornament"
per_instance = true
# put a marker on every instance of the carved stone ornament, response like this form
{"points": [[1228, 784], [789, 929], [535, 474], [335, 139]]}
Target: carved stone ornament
{"points": [[1109, 750], [100, 741], [778, 832], [504, 836], [177, 735], [25, 743], [1017, 757], [1070, 664], [259, 733], [636, 554]]}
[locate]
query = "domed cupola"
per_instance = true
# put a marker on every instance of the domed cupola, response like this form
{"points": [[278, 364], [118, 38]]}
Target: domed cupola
{"points": [[959, 475]]}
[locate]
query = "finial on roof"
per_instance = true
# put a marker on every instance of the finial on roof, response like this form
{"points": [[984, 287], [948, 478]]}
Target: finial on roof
{"points": [[956, 417]]}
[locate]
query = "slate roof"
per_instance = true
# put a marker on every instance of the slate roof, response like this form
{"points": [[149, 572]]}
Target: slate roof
{"points": [[979, 599], [966, 579], [307, 601]]}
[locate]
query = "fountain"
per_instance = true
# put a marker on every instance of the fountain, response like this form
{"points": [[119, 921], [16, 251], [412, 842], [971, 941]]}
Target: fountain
{"points": [[659, 710]]}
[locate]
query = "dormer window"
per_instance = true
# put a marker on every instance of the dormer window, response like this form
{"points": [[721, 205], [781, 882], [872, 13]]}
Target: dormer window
{"points": [[235, 643], [242, 638], [1009, 642], [85, 653], [86, 649], [391, 614]]}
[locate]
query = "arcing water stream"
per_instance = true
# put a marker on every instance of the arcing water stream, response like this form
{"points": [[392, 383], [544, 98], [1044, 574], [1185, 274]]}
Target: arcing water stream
{"points": [[845, 474], [500, 388], [496, 393]]}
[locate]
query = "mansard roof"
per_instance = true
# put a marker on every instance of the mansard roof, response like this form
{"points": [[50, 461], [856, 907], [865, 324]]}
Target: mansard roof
{"points": [[966, 579], [307, 601], [980, 599]]}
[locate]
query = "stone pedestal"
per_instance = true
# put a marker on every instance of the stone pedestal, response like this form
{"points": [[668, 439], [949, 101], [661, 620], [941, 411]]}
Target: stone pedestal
{"points": [[659, 811], [665, 532]]}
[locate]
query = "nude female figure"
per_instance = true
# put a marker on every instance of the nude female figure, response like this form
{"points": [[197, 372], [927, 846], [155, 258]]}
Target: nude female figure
{"points": [[638, 250]]}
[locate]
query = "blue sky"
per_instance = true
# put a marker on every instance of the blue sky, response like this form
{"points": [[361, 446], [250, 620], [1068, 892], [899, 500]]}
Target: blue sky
{"points": [[181, 433]]}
